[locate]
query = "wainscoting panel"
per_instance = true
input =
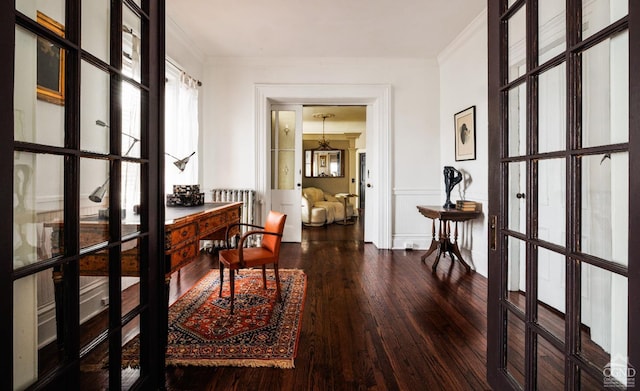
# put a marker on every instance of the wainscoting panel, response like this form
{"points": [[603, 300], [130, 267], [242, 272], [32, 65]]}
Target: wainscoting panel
{"points": [[411, 230]]}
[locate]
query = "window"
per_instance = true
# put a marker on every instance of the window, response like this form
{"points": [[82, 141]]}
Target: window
{"points": [[181, 128]]}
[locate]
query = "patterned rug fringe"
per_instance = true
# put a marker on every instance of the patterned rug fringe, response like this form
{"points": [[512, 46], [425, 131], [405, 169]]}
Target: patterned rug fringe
{"points": [[204, 362]]}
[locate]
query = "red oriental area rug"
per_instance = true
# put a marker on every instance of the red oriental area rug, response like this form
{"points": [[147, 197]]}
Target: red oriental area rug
{"points": [[262, 332]]}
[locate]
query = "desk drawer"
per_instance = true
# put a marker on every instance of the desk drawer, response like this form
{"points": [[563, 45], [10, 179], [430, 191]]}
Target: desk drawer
{"points": [[181, 235], [97, 264], [212, 224], [183, 256], [233, 215]]}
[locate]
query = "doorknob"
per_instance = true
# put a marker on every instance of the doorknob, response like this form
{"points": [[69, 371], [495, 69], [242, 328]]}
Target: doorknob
{"points": [[298, 184], [368, 184], [520, 195]]}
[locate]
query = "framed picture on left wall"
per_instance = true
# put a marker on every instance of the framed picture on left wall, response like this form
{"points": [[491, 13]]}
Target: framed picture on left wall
{"points": [[50, 64], [465, 134]]}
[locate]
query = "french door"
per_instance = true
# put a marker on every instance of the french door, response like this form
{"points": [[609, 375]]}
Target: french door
{"points": [[81, 149], [286, 167], [564, 259]]}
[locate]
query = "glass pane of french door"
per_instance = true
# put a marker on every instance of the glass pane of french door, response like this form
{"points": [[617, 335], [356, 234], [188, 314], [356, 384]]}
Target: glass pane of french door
{"points": [[286, 167], [561, 205], [283, 148]]}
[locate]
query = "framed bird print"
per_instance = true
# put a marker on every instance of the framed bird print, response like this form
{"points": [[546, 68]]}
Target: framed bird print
{"points": [[465, 134]]}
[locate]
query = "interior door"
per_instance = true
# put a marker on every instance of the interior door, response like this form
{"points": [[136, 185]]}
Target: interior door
{"points": [[82, 94], [372, 179], [561, 267], [286, 167]]}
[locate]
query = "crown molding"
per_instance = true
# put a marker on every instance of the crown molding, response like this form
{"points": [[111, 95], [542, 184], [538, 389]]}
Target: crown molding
{"points": [[477, 24], [175, 31]]}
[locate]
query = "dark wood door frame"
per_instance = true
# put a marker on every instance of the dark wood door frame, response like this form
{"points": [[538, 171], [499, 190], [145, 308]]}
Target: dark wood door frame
{"points": [[152, 309], [497, 125]]}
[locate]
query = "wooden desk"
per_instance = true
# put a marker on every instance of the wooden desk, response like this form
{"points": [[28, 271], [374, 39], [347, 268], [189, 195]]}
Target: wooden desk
{"points": [[184, 228], [443, 243]]}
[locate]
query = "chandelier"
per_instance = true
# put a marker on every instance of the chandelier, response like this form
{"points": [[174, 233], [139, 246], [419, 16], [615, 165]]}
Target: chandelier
{"points": [[323, 144]]}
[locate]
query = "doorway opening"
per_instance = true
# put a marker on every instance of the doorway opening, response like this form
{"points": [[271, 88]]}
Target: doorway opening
{"points": [[377, 99], [332, 138]]}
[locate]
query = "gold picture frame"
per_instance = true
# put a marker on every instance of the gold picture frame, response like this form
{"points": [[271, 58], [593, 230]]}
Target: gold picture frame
{"points": [[465, 134], [50, 63]]}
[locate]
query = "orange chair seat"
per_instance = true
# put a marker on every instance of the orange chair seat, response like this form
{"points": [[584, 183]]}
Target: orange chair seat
{"points": [[253, 256]]}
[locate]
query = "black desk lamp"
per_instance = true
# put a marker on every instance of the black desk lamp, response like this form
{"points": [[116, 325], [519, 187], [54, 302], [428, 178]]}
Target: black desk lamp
{"points": [[98, 194], [181, 163]]}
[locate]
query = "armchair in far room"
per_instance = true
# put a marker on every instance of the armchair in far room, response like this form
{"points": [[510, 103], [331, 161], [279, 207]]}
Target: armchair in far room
{"points": [[320, 208]]}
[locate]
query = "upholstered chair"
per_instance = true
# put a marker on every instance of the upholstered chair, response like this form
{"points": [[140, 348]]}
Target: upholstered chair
{"points": [[267, 253]]}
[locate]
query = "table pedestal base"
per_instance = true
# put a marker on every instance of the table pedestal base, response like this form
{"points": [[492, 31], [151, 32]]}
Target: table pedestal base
{"points": [[444, 245]]}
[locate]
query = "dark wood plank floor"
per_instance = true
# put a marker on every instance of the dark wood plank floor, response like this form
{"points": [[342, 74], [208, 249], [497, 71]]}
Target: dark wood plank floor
{"points": [[373, 320]]}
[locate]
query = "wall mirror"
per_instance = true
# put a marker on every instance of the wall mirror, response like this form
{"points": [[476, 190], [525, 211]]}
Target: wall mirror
{"points": [[323, 163]]}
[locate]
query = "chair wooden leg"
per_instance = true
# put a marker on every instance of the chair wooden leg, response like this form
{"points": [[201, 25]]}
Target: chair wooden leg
{"points": [[264, 277], [233, 289], [221, 278], [275, 269]]}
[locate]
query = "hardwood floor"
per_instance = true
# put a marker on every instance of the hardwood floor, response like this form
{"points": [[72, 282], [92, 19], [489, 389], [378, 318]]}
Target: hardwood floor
{"points": [[373, 319]]}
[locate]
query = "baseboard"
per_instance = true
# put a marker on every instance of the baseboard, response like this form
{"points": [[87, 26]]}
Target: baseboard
{"points": [[91, 304]]}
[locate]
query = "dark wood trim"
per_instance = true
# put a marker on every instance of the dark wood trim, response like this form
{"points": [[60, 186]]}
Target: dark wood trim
{"points": [[68, 332], [7, 41], [496, 151], [634, 185], [157, 314], [573, 298], [115, 146]]}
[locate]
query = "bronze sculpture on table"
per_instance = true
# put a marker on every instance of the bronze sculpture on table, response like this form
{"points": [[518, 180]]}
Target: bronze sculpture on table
{"points": [[451, 178]]}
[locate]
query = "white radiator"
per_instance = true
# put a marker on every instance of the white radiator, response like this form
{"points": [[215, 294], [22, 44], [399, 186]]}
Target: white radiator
{"points": [[248, 198]]}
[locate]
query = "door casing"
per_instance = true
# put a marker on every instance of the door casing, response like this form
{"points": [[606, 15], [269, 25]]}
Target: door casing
{"points": [[377, 98]]}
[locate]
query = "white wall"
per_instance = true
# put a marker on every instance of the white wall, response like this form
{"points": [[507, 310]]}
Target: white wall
{"points": [[229, 125], [425, 96], [463, 83]]}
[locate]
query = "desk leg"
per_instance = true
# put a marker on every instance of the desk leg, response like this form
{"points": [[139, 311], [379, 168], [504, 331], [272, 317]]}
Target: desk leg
{"points": [[434, 243]]}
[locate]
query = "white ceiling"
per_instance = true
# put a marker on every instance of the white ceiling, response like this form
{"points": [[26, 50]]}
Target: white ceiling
{"points": [[330, 28]]}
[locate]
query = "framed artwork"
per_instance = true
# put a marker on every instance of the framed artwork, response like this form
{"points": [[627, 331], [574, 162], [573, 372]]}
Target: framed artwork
{"points": [[50, 64], [465, 134], [323, 160]]}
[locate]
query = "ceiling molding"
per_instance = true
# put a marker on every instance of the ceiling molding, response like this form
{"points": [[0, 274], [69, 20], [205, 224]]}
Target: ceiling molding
{"points": [[176, 32], [476, 25]]}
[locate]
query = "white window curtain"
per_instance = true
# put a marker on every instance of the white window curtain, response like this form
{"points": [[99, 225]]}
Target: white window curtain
{"points": [[181, 127], [131, 123]]}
